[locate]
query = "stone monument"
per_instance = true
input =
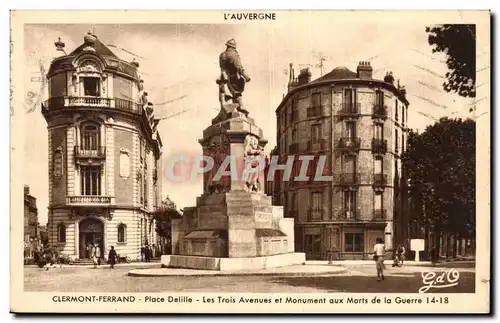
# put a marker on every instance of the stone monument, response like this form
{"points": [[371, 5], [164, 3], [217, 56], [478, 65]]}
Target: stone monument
{"points": [[233, 226]]}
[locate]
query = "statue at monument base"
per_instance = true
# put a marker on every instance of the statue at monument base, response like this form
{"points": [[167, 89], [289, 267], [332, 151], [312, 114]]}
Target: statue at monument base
{"points": [[234, 225]]}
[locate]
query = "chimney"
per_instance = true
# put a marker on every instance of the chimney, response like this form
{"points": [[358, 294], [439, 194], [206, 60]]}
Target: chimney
{"points": [[364, 70], [26, 190], [304, 76]]}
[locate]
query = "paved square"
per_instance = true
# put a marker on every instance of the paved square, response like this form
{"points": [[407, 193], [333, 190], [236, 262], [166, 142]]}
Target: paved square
{"points": [[359, 278]]}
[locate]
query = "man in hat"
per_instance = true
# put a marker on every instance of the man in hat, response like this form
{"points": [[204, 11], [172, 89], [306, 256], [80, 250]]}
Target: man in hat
{"points": [[232, 74]]}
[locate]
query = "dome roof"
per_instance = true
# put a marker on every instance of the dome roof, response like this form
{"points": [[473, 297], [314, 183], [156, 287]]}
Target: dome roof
{"points": [[337, 73], [93, 41]]}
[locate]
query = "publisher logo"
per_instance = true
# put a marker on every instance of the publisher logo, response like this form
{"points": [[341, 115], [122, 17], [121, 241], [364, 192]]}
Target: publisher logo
{"points": [[445, 279]]}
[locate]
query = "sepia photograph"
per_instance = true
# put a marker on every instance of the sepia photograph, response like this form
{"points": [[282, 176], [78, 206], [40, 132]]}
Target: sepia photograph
{"points": [[250, 161]]}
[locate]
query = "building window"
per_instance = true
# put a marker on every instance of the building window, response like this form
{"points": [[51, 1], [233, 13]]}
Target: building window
{"points": [[294, 136], [313, 243], [145, 183], [350, 100], [122, 229], [350, 129], [349, 164], [61, 232], [402, 142], [90, 137], [378, 201], [379, 131], [315, 133], [350, 204], [91, 86], [91, 180], [396, 109], [396, 145], [316, 100], [353, 242], [403, 114], [316, 206], [378, 165], [58, 163], [379, 98]]}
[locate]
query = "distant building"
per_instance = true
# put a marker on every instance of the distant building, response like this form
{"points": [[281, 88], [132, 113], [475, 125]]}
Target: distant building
{"points": [[360, 125], [104, 153], [31, 231]]}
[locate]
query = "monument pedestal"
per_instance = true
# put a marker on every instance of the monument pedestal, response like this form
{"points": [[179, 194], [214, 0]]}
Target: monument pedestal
{"points": [[234, 226]]}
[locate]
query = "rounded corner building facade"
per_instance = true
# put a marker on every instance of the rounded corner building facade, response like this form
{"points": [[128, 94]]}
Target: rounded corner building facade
{"points": [[104, 154], [360, 125]]}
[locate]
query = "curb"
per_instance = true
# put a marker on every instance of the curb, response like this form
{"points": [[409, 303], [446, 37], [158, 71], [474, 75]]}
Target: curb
{"points": [[135, 273]]}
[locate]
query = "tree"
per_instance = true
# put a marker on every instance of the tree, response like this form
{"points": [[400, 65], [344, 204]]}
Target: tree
{"points": [[440, 166], [163, 217], [459, 43]]}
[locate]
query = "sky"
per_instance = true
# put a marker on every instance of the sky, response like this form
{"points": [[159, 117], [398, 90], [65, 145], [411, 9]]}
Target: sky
{"points": [[180, 61]]}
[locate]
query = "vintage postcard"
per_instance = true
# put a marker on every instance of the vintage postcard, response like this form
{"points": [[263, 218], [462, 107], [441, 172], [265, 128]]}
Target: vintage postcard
{"points": [[250, 162]]}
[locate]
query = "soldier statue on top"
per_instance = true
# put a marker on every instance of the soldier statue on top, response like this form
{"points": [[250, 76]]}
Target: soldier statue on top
{"points": [[233, 77]]}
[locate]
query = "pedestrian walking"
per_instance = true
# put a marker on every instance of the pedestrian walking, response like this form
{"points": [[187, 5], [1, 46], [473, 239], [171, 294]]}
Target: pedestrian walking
{"points": [[96, 254], [378, 257], [147, 253], [112, 257], [401, 251]]}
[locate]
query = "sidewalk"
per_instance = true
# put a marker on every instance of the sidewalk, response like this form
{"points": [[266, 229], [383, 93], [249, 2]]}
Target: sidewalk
{"points": [[295, 270], [104, 265], [387, 262]]}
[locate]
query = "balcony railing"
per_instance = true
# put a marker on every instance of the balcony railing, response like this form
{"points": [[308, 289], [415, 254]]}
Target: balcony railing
{"points": [[83, 152], [380, 214], [314, 112], [349, 144], [349, 110], [349, 215], [90, 101], [379, 180], [91, 200], [379, 111], [293, 148], [348, 178], [379, 146], [127, 105], [316, 145], [315, 214]]}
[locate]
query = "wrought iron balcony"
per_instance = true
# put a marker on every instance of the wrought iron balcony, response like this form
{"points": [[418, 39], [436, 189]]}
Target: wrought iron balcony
{"points": [[348, 179], [379, 146], [314, 112], [127, 105], [95, 152], [380, 180], [316, 145], [349, 144], [349, 215], [293, 148], [88, 200], [379, 214], [349, 110], [379, 112], [315, 214]]}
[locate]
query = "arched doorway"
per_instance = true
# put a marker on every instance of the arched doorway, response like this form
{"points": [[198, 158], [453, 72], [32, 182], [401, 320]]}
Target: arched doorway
{"points": [[91, 231]]}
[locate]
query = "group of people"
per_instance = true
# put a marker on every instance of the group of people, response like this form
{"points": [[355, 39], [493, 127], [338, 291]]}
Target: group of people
{"points": [[95, 255], [45, 257], [379, 254]]}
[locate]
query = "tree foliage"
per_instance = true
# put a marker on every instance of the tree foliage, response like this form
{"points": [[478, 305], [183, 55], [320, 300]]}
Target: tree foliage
{"points": [[163, 217], [440, 166], [458, 41]]}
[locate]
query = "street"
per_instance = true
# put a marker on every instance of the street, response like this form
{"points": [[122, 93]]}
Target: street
{"points": [[358, 279]]}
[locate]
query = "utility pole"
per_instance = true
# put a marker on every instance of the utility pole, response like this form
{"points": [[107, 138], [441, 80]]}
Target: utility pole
{"points": [[321, 64]]}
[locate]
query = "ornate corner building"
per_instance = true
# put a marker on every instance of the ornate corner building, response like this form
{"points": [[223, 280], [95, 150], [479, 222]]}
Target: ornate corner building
{"points": [[360, 125], [104, 153]]}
